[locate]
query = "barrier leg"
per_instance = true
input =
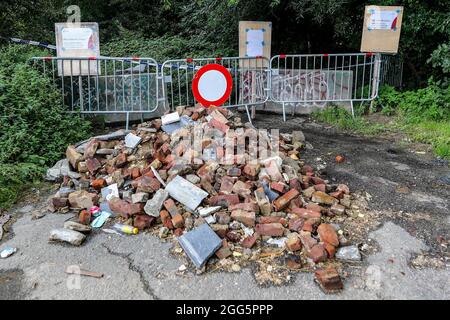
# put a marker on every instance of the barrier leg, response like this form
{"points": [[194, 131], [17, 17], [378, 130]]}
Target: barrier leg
{"points": [[248, 115], [353, 111], [128, 120], [284, 113]]}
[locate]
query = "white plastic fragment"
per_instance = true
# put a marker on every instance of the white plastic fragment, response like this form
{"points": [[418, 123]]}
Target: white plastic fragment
{"points": [[8, 251], [170, 118], [204, 212], [110, 192]]}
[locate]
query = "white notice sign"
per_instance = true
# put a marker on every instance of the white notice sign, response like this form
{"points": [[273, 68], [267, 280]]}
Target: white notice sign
{"points": [[77, 38], [383, 19], [255, 42]]}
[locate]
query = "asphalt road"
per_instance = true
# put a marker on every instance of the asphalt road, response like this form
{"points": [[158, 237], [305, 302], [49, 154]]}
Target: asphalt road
{"points": [[412, 223]]}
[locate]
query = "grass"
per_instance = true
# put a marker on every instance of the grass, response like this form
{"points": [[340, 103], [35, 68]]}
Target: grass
{"points": [[435, 133]]}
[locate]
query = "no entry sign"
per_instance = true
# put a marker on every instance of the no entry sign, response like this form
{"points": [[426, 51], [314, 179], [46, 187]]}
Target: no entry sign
{"points": [[212, 85]]}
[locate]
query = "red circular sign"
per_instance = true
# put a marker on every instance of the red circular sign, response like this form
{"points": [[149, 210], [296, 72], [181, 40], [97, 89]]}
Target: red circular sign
{"points": [[212, 85]]}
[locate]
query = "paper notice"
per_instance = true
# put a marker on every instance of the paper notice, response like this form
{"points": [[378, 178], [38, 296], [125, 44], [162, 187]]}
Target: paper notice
{"points": [[255, 42], [76, 38], [383, 20]]}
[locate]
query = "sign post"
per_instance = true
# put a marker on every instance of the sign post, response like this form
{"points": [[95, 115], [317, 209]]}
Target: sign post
{"points": [[381, 30], [212, 85]]}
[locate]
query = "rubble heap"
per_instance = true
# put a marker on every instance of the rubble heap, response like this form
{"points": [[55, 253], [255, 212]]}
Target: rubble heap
{"points": [[135, 177]]}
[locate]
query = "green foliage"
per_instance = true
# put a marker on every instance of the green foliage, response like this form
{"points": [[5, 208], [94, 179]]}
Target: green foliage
{"points": [[436, 133], [165, 47], [14, 178], [34, 127], [430, 103], [343, 119]]}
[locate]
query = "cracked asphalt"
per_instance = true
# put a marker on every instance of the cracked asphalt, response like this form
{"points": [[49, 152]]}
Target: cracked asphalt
{"points": [[413, 220]]}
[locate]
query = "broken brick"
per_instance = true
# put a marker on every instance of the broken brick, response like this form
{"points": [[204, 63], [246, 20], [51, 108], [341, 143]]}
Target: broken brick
{"points": [[178, 221], [270, 229], [248, 242], [329, 280], [247, 218], [328, 234], [166, 219], [283, 201], [143, 221]]}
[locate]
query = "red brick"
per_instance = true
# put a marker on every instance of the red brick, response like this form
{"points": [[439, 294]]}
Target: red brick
{"points": [[124, 208], [269, 219], [247, 206], [282, 202], [270, 229], [306, 213], [146, 184], [296, 224], [318, 253], [135, 173], [309, 224], [233, 236], [320, 187], [178, 232], [328, 234], [223, 252], [59, 203], [178, 221], [307, 241], [251, 170], [293, 243], [225, 200], [295, 184], [84, 217], [331, 250], [93, 165], [166, 219], [142, 221], [218, 125], [314, 207], [171, 207], [91, 148], [97, 184], [247, 218], [248, 242], [329, 280], [121, 160], [278, 186], [226, 185]]}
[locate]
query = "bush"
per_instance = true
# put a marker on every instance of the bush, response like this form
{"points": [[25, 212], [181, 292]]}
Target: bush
{"points": [[34, 127], [161, 48], [430, 103]]}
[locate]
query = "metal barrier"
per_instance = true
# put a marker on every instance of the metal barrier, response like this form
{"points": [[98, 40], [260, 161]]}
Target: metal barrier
{"points": [[318, 79], [103, 85], [251, 80], [391, 70]]}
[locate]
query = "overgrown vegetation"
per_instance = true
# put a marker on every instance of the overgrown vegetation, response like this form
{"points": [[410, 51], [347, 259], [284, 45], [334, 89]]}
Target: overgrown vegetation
{"points": [[34, 127], [423, 114]]}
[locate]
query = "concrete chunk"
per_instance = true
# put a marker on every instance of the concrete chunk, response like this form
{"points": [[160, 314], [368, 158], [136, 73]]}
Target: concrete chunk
{"points": [[185, 192], [154, 205]]}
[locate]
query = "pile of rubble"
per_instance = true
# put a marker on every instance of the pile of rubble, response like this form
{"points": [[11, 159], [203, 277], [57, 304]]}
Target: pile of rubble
{"points": [[244, 210]]}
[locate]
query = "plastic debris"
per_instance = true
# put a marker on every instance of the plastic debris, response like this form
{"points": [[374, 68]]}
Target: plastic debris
{"points": [[8, 251]]}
